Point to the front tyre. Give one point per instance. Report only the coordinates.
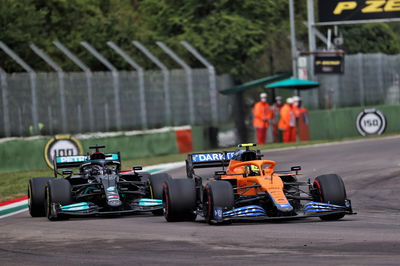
(156, 183)
(36, 196)
(179, 198)
(58, 191)
(330, 189)
(218, 196)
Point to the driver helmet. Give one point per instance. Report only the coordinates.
(252, 170)
(97, 156)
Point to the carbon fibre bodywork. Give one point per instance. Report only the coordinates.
(261, 193)
(95, 185)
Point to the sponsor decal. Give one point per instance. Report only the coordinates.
(218, 214)
(371, 122)
(113, 157)
(150, 202)
(209, 157)
(71, 159)
(328, 64)
(61, 146)
(346, 10)
(111, 189)
(285, 206)
(246, 211)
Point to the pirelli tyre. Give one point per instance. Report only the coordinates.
(330, 189)
(58, 191)
(217, 197)
(36, 196)
(156, 183)
(179, 198)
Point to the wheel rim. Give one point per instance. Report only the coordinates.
(209, 204)
(48, 203)
(319, 190)
(151, 189)
(29, 198)
(166, 202)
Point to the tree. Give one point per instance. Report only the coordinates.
(20, 23)
(375, 38)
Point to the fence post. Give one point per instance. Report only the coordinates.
(165, 71)
(50, 118)
(189, 78)
(380, 76)
(88, 74)
(4, 97)
(115, 75)
(32, 76)
(139, 69)
(361, 78)
(212, 80)
(60, 74)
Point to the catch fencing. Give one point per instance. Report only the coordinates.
(368, 79)
(35, 103)
(97, 110)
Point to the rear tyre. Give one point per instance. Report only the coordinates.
(36, 196)
(217, 194)
(57, 191)
(330, 189)
(179, 197)
(156, 183)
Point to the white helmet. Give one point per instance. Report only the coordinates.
(296, 99)
(289, 100)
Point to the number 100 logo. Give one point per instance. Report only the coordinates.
(59, 146)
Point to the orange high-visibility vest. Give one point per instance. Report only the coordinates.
(296, 111)
(262, 114)
(287, 118)
(303, 125)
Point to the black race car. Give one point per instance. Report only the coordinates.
(99, 187)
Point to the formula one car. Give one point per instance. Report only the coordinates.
(98, 188)
(248, 188)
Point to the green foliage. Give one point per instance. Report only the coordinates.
(17, 28)
(247, 39)
(371, 38)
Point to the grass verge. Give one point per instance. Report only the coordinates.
(14, 184)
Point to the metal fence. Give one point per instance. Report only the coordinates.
(52, 103)
(368, 79)
(98, 109)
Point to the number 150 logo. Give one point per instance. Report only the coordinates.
(371, 122)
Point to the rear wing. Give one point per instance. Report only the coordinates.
(207, 160)
(78, 160)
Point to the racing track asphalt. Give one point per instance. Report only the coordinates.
(371, 172)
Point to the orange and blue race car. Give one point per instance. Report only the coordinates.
(248, 188)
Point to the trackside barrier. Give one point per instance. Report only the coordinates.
(341, 123)
(27, 153)
(18, 154)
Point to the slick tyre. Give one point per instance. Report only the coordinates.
(36, 196)
(217, 194)
(179, 197)
(156, 183)
(57, 191)
(330, 189)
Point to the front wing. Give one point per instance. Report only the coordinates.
(257, 213)
(90, 209)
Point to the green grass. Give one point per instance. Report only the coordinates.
(14, 184)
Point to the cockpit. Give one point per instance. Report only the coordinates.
(245, 155)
